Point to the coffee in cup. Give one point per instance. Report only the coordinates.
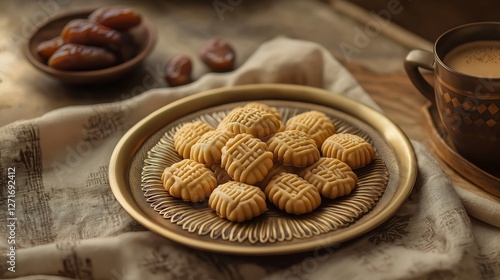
(466, 89)
(477, 58)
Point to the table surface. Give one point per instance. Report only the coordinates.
(184, 25)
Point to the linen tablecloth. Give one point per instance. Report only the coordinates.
(66, 223)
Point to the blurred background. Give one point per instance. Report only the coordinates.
(376, 34)
(429, 18)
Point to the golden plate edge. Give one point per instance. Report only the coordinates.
(136, 136)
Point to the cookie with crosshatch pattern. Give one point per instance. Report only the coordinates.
(253, 121)
(189, 180)
(238, 201)
(246, 159)
(264, 107)
(207, 149)
(292, 194)
(349, 148)
(293, 148)
(187, 135)
(316, 124)
(332, 177)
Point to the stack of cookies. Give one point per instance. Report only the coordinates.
(253, 157)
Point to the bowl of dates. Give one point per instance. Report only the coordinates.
(92, 46)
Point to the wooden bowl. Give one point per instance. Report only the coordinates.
(144, 35)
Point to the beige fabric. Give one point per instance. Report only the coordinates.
(479, 207)
(70, 226)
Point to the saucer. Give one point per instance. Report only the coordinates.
(443, 147)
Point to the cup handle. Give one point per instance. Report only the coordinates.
(420, 59)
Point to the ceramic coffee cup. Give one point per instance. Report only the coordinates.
(465, 91)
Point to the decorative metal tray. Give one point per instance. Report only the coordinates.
(143, 153)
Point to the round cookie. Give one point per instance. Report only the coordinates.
(258, 123)
(188, 135)
(238, 201)
(293, 148)
(189, 180)
(264, 107)
(349, 148)
(223, 123)
(207, 149)
(292, 194)
(246, 159)
(332, 177)
(316, 124)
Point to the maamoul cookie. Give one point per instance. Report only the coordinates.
(188, 135)
(349, 148)
(293, 147)
(246, 159)
(264, 107)
(208, 148)
(259, 123)
(292, 194)
(316, 124)
(189, 180)
(224, 121)
(220, 173)
(332, 177)
(238, 201)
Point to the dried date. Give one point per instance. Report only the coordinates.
(47, 48)
(116, 17)
(178, 70)
(86, 32)
(75, 57)
(218, 55)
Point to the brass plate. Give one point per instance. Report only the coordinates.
(274, 225)
(394, 150)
